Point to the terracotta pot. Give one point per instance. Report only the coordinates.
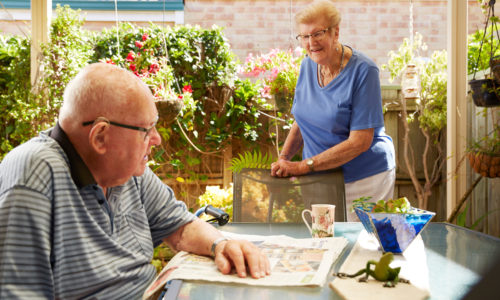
(485, 164)
(483, 92)
(168, 109)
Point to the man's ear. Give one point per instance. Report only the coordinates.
(98, 137)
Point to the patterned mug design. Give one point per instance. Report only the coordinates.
(323, 220)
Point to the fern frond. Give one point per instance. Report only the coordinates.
(251, 160)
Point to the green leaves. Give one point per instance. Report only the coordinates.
(399, 206)
(251, 160)
(431, 107)
(478, 57)
(31, 109)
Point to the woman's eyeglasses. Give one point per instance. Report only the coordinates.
(316, 36)
(103, 119)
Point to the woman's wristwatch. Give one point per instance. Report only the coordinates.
(310, 164)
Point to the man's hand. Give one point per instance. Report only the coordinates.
(240, 254)
(198, 237)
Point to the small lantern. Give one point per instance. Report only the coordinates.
(410, 83)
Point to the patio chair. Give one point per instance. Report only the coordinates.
(259, 197)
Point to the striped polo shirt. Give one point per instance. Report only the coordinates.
(61, 238)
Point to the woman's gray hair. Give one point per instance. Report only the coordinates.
(317, 10)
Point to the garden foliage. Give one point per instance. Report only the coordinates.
(181, 61)
(219, 107)
(29, 109)
(430, 111)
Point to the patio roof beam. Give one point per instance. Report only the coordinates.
(41, 14)
(456, 132)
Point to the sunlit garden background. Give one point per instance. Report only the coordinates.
(222, 112)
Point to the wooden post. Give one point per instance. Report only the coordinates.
(41, 14)
(456, 138)
(227, 175)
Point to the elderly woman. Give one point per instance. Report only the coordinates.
(338, 112)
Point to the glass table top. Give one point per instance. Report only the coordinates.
(456, 258)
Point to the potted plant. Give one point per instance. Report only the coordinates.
(484, 153)
(485, 91)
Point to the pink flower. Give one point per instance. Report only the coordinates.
(274, 52)
(323, 221)
(187, 89)
(139, 44)
(274, 73)
(265, 92)
(249, 58)
(130, 56)
(145, 37)
(298, 51)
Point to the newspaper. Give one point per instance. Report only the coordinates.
(294, 262)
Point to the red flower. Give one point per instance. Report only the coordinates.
(139, 44)
(187, 89)
(145, 37)
(109, 61)
(130, 56)
(153, 68)
(180, 96)
(131, 67)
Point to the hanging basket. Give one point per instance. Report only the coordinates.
(485, 164)
(168, 109)
(484, 92)
(282, 101)
(495, 67)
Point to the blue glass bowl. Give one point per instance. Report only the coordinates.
(395, 232)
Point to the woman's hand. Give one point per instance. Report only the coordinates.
(286, 168)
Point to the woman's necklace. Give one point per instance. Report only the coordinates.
(341, 67)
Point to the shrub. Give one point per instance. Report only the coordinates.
(31, 109)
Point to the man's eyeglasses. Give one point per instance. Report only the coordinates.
(316, 36)
(143, 129)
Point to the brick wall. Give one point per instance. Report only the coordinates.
(254, 26)
(373, 27)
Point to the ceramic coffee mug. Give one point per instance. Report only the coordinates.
(323, 219)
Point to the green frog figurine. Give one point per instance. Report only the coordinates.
(382, 272)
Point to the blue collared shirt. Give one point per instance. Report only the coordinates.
(60, 237)
(351, 101)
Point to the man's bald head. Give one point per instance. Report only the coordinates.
(101, 90)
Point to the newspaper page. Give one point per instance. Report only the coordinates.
(294, 262)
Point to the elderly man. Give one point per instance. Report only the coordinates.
(80, 213)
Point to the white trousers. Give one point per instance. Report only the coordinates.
(379, 186)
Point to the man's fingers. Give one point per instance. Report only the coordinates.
(253, 258)
(267, 264)
(223, 264)
(241, 254)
